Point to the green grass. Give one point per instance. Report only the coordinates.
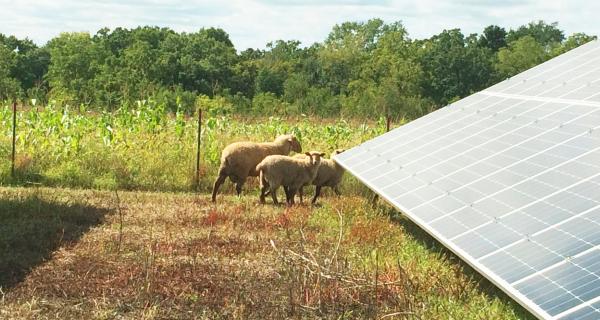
(165, 255)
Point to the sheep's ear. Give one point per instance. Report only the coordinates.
(307, 153)
(290, 140)
(322, 154)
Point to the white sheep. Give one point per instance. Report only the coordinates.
(329, 175)
(239, 159)
(292, 173)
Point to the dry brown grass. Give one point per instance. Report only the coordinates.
(178, 256)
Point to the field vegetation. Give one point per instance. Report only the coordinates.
(146, 148)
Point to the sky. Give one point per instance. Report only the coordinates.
(254, 23)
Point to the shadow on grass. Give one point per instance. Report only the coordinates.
(432, 244)
(32, 228)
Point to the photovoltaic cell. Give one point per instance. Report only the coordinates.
(509, 179)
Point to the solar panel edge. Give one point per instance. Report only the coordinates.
(484, 271)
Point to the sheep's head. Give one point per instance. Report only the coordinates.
(292, 141)
(315, 157)
(295, 144)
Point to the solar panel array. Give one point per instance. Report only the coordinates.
(509, 179)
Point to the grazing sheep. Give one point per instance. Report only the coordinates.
(239, 159)
(290, 172)
(329, 175)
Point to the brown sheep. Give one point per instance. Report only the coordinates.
(239, 159)
(329, 175)
(290, 172)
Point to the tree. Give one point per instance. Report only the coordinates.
(574, 41)
(245, 72)
(389, 79)
(271, 80)
(73, 66)
(207, 61)
(346, 49)
(138, 73)
(296, 87)
(547, 35)
(9, 86)
(493, 37)
(281, 60)
(362, 68)
(28, 64)
(519, 56)
(454, 66)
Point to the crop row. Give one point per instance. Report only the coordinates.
(145, 147)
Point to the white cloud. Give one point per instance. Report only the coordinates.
(253, 23)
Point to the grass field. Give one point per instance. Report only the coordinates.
(83, 254)
(71, 247)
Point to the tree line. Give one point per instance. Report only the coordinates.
(361, 69)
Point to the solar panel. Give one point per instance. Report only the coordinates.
(509, 179)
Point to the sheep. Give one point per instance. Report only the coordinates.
(329, 175)
(290, 172)
(239, 159)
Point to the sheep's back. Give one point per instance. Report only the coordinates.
(243, 157)
(283, 169)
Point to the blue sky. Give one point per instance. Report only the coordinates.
(253, 23)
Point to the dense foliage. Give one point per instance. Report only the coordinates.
(360, 69)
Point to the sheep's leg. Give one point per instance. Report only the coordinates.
(263, 186)
(300, 193)
(218, 182)
(269, 192)
(286, 189)
(288, 195)
(317, 193)
(292, 194)
(264, 190)
(238, 185)
(274, 195)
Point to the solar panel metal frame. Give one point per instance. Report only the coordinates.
(506, 286)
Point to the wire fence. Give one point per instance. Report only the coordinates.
(145, 147)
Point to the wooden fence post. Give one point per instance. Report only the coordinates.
(198, 147)
(388, 122)
(14, 139)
